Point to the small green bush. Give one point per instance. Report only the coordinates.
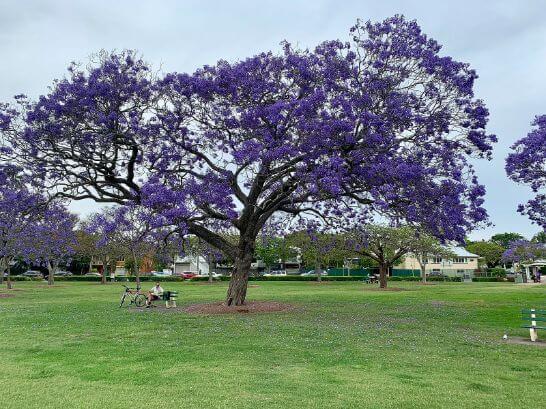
(497, 271)
(487, 279)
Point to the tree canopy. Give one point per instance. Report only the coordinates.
(527, 165)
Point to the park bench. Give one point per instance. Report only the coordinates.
(533, 316)
(170, 298)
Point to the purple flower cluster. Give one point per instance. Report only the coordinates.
(526, 164)
(521, 251)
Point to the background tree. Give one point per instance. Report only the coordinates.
(504, 239)
(527, 165)
(383, 244)
(540, 237)
(490, 252)
(524, 251)
(318, 250)
(382, 124)
(52, 239)
(425, 246)
(131, 229)
(20, 209)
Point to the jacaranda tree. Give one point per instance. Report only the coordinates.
(51, 240)
(381, 124)
(527, 164)
(133, 230)
(524, 251)
(20, 210)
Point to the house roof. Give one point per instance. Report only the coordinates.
(461, 251)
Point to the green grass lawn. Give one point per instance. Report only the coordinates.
(346, 346)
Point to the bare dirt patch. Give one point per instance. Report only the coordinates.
(3, 295)
(249, 308)
(526, 341)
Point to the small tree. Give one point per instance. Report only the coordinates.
(133, 230)
(540, 237)
(318, 249)
(52, 239)
(524, 251)
(504, 239)
(386, 245)
(491, 252)
(425, 246)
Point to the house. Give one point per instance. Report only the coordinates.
(195, 264)
(120, 270)
(462, 264)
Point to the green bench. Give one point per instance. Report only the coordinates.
(532, 317)
(170, 298)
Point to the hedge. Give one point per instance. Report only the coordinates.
(488, 279)
(118, 279)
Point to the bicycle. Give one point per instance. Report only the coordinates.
(136, 297)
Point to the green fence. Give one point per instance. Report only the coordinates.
(399, 272)
(355, 272)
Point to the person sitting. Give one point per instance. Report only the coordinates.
(154, 294)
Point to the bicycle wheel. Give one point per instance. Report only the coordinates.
(140, 300)
(122, 300)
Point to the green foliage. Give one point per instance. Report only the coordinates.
(504, 239)
(323, 249)
(272, 250)
(497, 271)
(490, 251)
(540, 237)
(487, 279)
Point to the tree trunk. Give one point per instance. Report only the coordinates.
(318, 269)
(383, 272)
(9, 284)
(136, 272)
(423, 273)
(103, 275)
(238, 283)
(51, 268)
(210, 268)
(2, 269)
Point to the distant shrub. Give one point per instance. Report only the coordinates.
(487, 279)
(497, 272)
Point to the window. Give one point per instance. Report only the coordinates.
(460, 271)
(459, 260)
(437, 260)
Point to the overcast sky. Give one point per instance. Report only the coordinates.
(505, 41)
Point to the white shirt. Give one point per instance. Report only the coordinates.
(157, 290)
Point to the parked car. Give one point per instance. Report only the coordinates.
(275, 273)
(33, 274)
(63, 273)
(186, 275)
(313, 273)
(93, 274)
(214, 274)
(161, 274)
